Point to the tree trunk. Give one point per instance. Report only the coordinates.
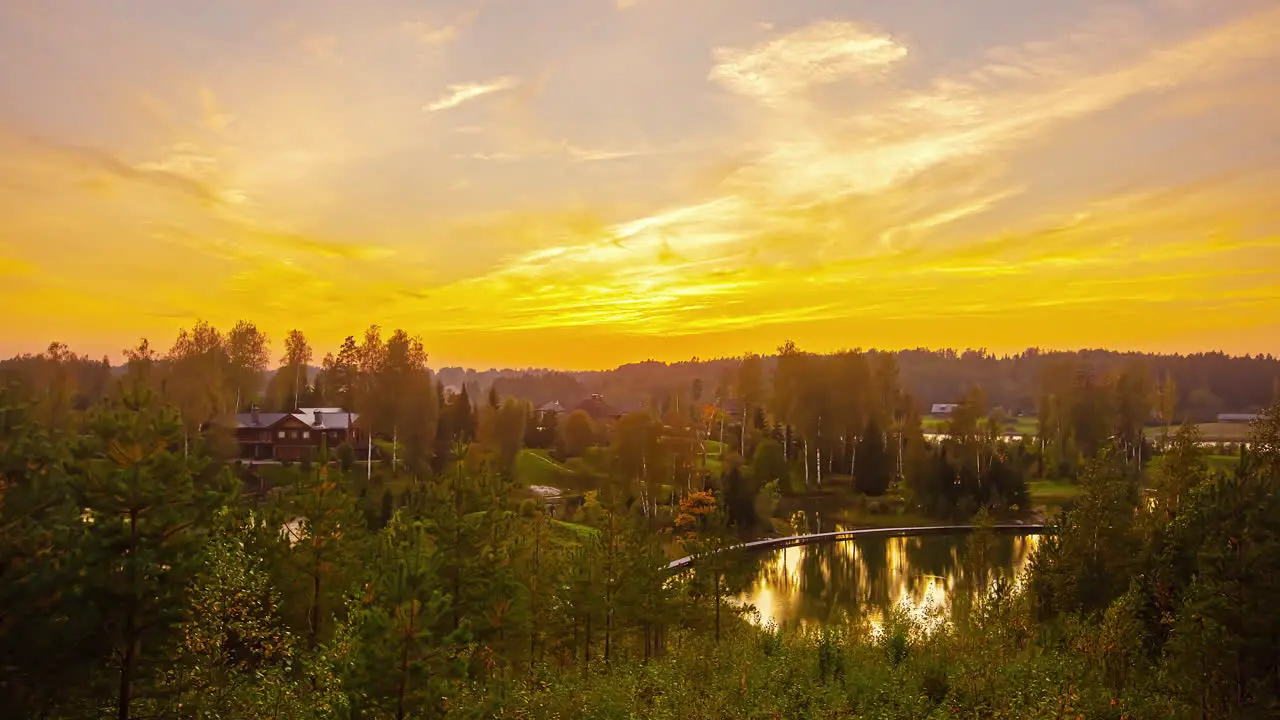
(130, 629)
(717, 608)
(126, 670)
(806, 463)
(533, 590)
(743, 451)
(586, 648)
(313, 618)
(404, 669)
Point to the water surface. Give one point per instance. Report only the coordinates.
(820, 583)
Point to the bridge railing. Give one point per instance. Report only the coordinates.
(841, 535)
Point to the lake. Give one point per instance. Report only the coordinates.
(820, 583)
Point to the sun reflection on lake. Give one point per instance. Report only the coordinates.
(816, 584)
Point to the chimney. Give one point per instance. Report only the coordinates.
(253, 414)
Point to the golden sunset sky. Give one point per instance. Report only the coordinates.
(581, 183)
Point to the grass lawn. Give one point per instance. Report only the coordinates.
(1210, 432)
(1022, 426)
(1051, 492)
(534, 467)
(1223, 463)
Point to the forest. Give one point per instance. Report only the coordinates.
(146, 572)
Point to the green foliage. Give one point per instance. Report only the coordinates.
(768, 464)
(874, 468)
(401, 661)
(346, 457)
(145, 506)
(135, 582)
(1088, 560)
(577, 433)
(48, 650)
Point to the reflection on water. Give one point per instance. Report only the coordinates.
(821, 583)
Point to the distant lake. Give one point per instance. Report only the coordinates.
(814, 584)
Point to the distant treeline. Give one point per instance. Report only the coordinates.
(1205, 384)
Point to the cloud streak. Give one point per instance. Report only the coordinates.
(467, 92)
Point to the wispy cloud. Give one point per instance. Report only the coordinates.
(158, 176)
(843, 196)
(429, 36)
(466, 92)
(782, 69)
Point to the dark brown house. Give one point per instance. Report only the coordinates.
(294, 436)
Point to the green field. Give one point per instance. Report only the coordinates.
(1021, 426)
(535, 467)
(1223, 463)
(1051, 492)
(1210, 432)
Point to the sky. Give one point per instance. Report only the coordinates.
(582, 183)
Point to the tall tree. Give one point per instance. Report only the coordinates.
(401, 657)
(247, 358)
(340, 374)
(293, 364)
(145, 509)
(750, 390)
(402, 383)
(197, 379)
(577, 433)
(323, 527)
(1167, 405)
(49, 645)
(875, 466)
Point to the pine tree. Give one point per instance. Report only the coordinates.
(324, 528)
(49, 650)
(875, 467)
(145, 513)
(234, 657)
(402, 661)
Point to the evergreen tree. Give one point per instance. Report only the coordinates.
(874, 466)
(464, 417)
(401, 660)
(324, 529)
(49, 647)
(145, 512)
(234, 657)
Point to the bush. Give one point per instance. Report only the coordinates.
(934, 683)
(346, 457)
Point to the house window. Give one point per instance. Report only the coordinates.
(333, 434)
(281, 435)
(306, 434)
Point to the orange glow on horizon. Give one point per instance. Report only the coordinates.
(838, 174)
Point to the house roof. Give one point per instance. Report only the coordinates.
(320, 418)
(551, 407)
(258, 420)
(632, 409)
(597, 408)
(328, 418)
